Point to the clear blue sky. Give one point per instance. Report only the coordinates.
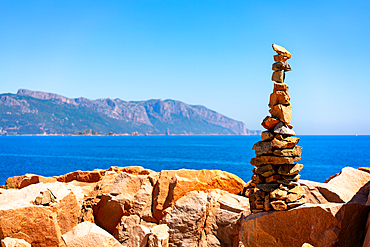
(214, 53)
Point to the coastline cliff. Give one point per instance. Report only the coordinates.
(32, 112)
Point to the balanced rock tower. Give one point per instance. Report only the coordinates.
(274, 184)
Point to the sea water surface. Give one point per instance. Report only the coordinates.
(322, 156)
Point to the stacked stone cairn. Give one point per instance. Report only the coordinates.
(274, 184)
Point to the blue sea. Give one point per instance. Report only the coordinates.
(322, 156)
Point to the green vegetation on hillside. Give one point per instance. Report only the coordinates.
(87, 132)
(23, 114)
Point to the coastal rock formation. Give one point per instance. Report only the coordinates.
(197, 208)
(129, 203)
(274, 184)
(335, 215)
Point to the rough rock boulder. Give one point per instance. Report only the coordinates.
(206, 219)
(314, 224)
(88, 234)
(82, 176)
(39, 225)
(123, 194)
(172, 185)
(19, 182)
(14, 242)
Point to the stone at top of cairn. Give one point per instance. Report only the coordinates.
(281, 51)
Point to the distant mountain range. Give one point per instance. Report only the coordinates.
(32, 112)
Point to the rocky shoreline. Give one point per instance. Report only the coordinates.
(133, 206)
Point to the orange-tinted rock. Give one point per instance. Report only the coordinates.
(263, 148)
(39, 225)
(159, 236)
(280, 58)
(44, 198)
(364, 169)
(269, 122)
(267, 136)
(206, 219)
(257, 179)
(36, 225)
(290, 169)
(273, 178)
(297, 190)
(296, 151)
(296, 203)
(187, 220)
(20, 182)
(86, 188)
(108, 213)
(281, 66)
(346, 186)
(282, 112)
(313, 193)
(273, 160)
(281, 50)
(14, 242)
(123, 194)
(315, 224)
(82, 176)
(265, 171)
(351, 179)
(367, 233)
(89, 234)
(292, 177)
(279, 205)
(259, 204)
(266, 204)
(172, 185)
(281, 87)
(281, 142)
(267, 149)
(267, 187)
(134, 170)
(117, 182)
(127, 184)
(353, 216)
(307, 245)
(68, 212)
(292, 197)
(279, 97)
(122, 230)
(278, 194)
(278, 76)
(138, 236)
(105, 185)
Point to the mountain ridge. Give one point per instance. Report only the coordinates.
(34, 112)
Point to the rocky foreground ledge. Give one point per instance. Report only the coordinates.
(133, 206)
